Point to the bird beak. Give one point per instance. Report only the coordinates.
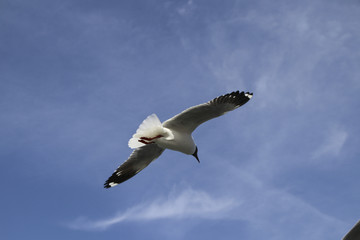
(196, 155)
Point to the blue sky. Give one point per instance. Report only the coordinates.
(78, 77)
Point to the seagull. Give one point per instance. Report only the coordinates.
(153, 137)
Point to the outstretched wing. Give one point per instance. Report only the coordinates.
(138, 160)
(191, 118)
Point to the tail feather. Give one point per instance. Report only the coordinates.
(150, 127)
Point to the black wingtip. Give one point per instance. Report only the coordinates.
(248, 95)
(241, 97)
(110, 184)
(237, 98)
(106, 185)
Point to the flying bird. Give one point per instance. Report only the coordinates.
(153, 137)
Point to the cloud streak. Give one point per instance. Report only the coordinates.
(332, 144)
(270, 211)
(187, 204)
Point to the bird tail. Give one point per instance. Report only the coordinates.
(150, 127)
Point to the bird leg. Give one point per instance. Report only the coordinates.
(146, 140)
(150, 139)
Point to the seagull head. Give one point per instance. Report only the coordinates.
(196, 155)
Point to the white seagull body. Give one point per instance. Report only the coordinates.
(153, 137)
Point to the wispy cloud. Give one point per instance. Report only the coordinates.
(187, 8)
(264, 207)
(187, 204)
(332, 144)
(273, 212)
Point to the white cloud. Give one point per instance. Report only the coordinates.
(188, 204)
(332, 144)
(187, 8)
(268, 210)
(273, 212)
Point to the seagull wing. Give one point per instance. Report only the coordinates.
(138, 160)
(191, 118)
